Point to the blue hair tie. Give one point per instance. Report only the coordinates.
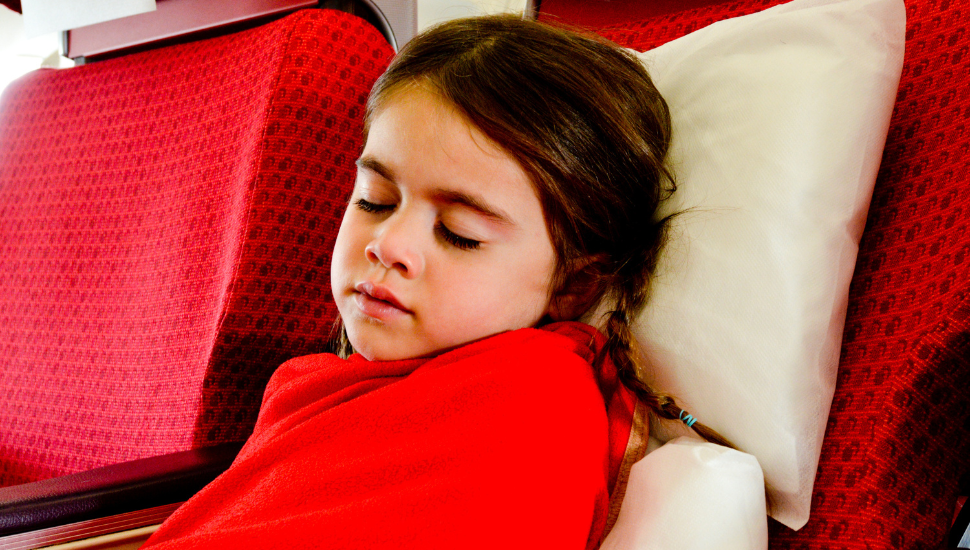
(688, 419)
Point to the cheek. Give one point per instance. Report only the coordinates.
(343, 251)
(536, 286)
(513, 291)
(533, 268)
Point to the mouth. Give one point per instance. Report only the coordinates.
(378, 302)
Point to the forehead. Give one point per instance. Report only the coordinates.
(422, 140)
(427, 106)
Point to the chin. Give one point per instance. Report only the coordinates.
(391, 351)
(382, 352)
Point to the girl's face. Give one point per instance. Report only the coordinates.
(444, 241)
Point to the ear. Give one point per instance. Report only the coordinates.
(584, 286)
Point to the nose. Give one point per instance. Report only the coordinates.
(396, 247)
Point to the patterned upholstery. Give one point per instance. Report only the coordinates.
(166, 220)
(898, 437)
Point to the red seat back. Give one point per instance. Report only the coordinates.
(898, 437)
(166, 221)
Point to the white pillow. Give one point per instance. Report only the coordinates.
(701, 496)
(779, 122)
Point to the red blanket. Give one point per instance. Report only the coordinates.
(503, 443)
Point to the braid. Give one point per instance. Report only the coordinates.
(620, 347)
(339, 344)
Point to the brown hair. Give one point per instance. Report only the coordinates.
(585, 121)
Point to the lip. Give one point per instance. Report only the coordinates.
(378, 302)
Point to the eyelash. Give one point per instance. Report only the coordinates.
(373, 208)
(459, 242)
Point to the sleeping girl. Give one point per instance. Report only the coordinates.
(508, 183)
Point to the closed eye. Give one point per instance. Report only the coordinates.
(449, 236)
(462, 243)
(372, 207)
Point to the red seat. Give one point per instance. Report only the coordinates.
(166, 221)
(898, 437)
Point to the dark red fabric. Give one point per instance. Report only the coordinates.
(166, 221)
(899, 432)
(502, 443)
(12, 4)
(601, 13)
(649, 33)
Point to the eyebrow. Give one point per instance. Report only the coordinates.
(446, 196)
(374, 165)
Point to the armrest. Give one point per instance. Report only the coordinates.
(960, 530)
(112, 490)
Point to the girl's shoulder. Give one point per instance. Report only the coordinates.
(587, 340)
(558, 354)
